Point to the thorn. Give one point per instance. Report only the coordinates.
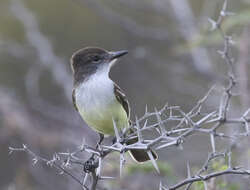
(116, 131)
(163, 130)
(56, 157)
(205, 185)
(106, 177)
(207, 94)
(231, 41)
(246, 126)
(160, 186)
(49, 163)
(122, 163)
(213, 24)
(85, 178)
(188, 170)
(158, 131)
(246, 113)
(11, 150)
(205, 118)
(224, 8)
(138, 130)
(221, 107)
(98, 170)
(212, 142)
(165, 106)
(229, 155)
(153, 161)
(145, 124)
(146, 109)
(166, 145)
(222, 54)
(34, 161)
(223, 14)
(171, 112)
(187, 120)
(24, 146)
(82, 144)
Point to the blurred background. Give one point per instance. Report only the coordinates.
(172, 58)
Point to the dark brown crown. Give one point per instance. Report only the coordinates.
(86, 61)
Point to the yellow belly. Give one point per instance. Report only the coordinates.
(101, 119)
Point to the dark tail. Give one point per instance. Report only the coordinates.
(140, 155)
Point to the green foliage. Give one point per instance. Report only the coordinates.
(219, 184)
(234, 186)
(198, 185)
(219, 166)
(224, 185)
(148, 167)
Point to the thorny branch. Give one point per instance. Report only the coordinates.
(173, 126)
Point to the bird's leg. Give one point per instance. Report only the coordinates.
(113, 140)
(90, 165)
(101, 137)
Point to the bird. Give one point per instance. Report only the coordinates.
(97, 98)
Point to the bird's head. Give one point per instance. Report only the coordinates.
(91, 59)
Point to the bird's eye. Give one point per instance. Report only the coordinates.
(96, 58)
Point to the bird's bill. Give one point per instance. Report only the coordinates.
(117, 54)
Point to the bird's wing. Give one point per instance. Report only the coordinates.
(74, 99)
(121, 98)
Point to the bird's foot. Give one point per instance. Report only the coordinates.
(101, 138)
(90, 165)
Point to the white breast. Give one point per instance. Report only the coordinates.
(95, 93)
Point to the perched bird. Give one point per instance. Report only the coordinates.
(97, 98)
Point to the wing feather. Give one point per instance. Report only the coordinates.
(74, 99)
(121, 98)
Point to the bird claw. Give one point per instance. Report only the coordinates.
(90, 165)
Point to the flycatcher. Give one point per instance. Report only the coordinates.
(97, 98)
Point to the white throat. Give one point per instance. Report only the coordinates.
(97, 91)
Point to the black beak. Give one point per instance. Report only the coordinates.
(117, 54)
